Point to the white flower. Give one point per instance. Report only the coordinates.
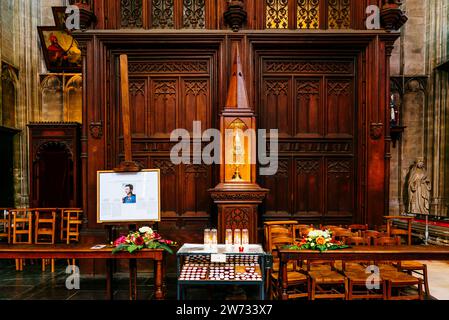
(312, 244)
(146, 230)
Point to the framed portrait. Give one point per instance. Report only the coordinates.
(128, 197)
(60, 49)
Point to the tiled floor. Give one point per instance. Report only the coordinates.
(33, 284)
(438, 273)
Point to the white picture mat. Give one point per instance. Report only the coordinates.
(111, 191)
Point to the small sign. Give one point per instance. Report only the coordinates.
(218, 258)
(98, 247)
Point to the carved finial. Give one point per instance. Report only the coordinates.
(236, 15)
(392, 17)
(237, 94)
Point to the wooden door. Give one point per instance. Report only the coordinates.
(312, 104)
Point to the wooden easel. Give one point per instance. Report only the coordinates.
(126, 166)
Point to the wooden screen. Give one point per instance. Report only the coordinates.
(312, 103)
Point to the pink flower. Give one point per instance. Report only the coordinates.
(156, 236)
(120, 241)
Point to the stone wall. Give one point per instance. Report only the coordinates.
(423, 91)
(20, 48)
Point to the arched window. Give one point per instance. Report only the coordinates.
(74, 99)
(52, 107)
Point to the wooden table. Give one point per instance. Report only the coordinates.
(395, 253)
(80, 251)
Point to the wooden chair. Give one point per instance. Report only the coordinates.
(384, 242)
(358, 289)
(356, 265)
(371, 235)
(358, 227)
(63, 222)
(45, 230)
(273, 227)
(341, 235)
(296, 283)
(73, 225)
(45, 226)
(416, 267)
(396, 279)
(327, 284)
(391, 231)
(5, 225)
(22, 225)
(301, 230)
(276, 233)
(355, 272)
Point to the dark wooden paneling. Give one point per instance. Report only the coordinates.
(312, 105)
(316, 124)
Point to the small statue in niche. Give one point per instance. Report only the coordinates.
(419, 188)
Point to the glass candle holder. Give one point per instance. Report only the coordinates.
(237, 237)
(207, 237)
(214, 237)
(228, 237)
(245, 237)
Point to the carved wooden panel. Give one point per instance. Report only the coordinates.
(197, 179)
(194, 14)
(339, 14)
(308, 108)
(308, 66)
(131, 13)
(276, 111)
(163, 14)
(308, 14)
(278, 199)
(308, 187)
(311, 102)
(166, 66)
(340, 187)
(139, 105)
(340, 107)
(276, 14)
(195, 104)
(169, 185)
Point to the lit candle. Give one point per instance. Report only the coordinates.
(237, 237)
(228, 237)
(245, 237)
(214, 238)
(207, 237)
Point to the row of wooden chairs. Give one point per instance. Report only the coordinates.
(324, 279)
(17, 225)
(17, 228)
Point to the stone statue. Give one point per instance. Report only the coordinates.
(419, 189)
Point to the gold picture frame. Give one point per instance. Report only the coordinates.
(128, 197)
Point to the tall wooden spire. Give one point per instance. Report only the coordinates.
(237, 94)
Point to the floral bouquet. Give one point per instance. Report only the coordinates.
(318, 240)
(145, 238)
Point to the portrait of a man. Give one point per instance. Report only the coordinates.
(130, 196)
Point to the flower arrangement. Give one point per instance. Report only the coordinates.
(144, 238)
(318, 240)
